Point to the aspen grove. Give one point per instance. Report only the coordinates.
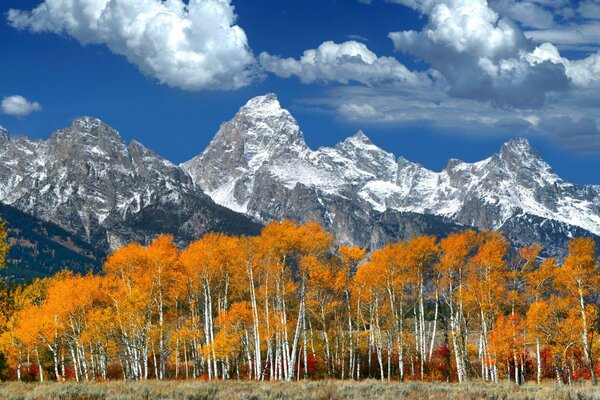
(289, 304)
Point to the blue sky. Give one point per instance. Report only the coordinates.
(426, 79)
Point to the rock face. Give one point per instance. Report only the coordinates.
(259, 164)
(86, 180)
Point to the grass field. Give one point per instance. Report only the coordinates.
(371, 390)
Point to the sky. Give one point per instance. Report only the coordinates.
(428, 80)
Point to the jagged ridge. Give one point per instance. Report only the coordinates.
(259, 164)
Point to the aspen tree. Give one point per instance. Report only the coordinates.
(486, 289)
(538, 280)
(350, 257)
(580, 277)
(457, 249)
(420, 254)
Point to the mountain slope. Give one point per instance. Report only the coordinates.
(259, 164)
(40, 248)
(86, 180)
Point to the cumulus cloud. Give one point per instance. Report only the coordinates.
(488, 76)
(582, 73)
(482, 55)
(19, 106)
(346, 62)
(192, 46)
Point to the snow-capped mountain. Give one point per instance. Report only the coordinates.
(86, 180)
(259, 164)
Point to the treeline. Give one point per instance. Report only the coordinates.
(289, 305)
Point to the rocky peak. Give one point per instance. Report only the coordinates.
(519, 152)
(518, 145)
(359, 143)
(359, 138)
(88, 138)
(259, 164)
(262, 122)
(518, 158)
(87, 130)
(264, 104)
(365, 158)
(259, 132)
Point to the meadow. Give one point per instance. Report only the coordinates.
(315, 390)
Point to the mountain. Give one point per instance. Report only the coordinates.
(259, 164)
(87, 181)
(83, 192)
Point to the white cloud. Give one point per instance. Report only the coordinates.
(583, 73)
(482, 55)
(525, 12)
(342, 63)
(480, 59)
(360, 112)
(194, 47)
(19, 106)
(582, 36)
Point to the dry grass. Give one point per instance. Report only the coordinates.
(320, 390)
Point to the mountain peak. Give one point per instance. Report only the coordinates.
(518, 146)
(88, 129)
(263, 123)
(520, 152)
(267, 102)
(360, 137)
(259, 132)
(357, 141)
(86, 122)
